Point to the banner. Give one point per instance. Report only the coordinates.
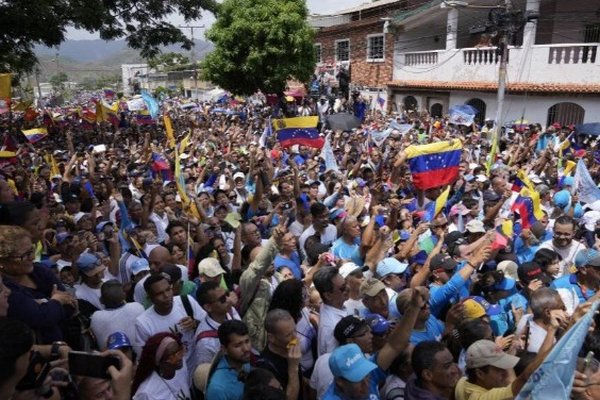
(584, 185)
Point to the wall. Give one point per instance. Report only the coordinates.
(364, 73)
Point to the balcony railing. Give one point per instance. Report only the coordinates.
(576, 63)
(576, 54)
(421, 58)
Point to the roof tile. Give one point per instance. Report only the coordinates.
(492, 87)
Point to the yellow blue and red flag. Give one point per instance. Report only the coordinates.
(435, 164)
(527, 204)
(435, 207)
(35, 135)
(298, 130)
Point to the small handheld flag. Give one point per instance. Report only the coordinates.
(35, 135)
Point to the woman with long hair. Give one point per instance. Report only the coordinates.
(161, 373)
(292, 295)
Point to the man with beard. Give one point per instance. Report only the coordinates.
(224, 383)
(563, 243)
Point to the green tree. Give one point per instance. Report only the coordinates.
(168, 61)
(26, 24)
(58, 81)
(259, 44)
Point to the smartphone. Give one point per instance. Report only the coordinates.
(36, 373)
(91, 364)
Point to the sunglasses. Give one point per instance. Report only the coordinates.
(223, 298)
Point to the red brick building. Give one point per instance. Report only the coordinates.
(362, 40)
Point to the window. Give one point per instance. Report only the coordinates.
(375, 47)
(437, 110)
(480, 106)
(318, 53)
(565, 114)
(342, 50)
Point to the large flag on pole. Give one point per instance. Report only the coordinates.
(151, 104)
(553, 380)
(169, 131)
(328, 156)
(435, 164)
(298, 130)
(188, 204)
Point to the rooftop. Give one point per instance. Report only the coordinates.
(492, 87)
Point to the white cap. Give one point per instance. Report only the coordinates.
(239, 175)
(481, 178)
(348, 268)
(475, 226)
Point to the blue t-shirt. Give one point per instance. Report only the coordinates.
(293, 263)
(377, 376)
(224, 383)
(434, 329)
(570, 282)
(345, 251)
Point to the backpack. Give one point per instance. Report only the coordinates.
(76, 330)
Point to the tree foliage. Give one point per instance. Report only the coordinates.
(260, 44)
(27, 23)
(58, 81)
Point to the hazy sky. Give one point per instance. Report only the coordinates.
(314, 6)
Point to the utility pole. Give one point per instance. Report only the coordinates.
(191, 28)
(503, 46)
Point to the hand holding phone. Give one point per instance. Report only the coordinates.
(94, 365)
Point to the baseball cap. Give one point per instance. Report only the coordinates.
(101, 225)
(530, 271)
(210, 267)
(49, 263)
(379, 325)
(485, 352)
(348, 268)
(442, 261)
(347, 327)
(490, 196)
(481, 178)
(89, 264)
(371, 287)
(62, 237)
(587, 257)
(568, 181)
(475, 226)
(239, 175)
(561, 199)
(139, 265)
(509, 268)
(117, 340)
(505, 284)
(477, 307)
(71, 198)
(390, 265)
(349, 362)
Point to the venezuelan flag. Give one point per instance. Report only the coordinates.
(527, 204)
(144, 118)
(298, 130)
(521, 181)
(433, 165)
(35, 135)
(435, 207)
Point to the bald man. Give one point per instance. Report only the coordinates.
(158, 257)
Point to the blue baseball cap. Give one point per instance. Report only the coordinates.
(117, 340)
(390, 266)
(379, 325)
(568, 181)
(561, 199)
(101, 225)
(349, 362)
(139, 265)
(587, 257)
(89, 264)
(62, 237)
(505, 284)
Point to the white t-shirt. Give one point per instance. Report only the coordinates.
(535, 333)
(139, 293)
(106, 322)
(393, 389)
(84, 292)
(354, 307)
(329, 236)
(150, 323)
(321, 376)
(296, 229)
(157, 388)
(568, 254)
(306, 333)
(125, 262)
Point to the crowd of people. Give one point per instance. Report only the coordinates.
(233, 268)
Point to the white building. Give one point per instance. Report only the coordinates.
(131, 75)
(553, 69)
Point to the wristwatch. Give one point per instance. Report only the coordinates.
(54, 355)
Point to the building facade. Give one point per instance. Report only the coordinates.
(358, 40)
(553, 72)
